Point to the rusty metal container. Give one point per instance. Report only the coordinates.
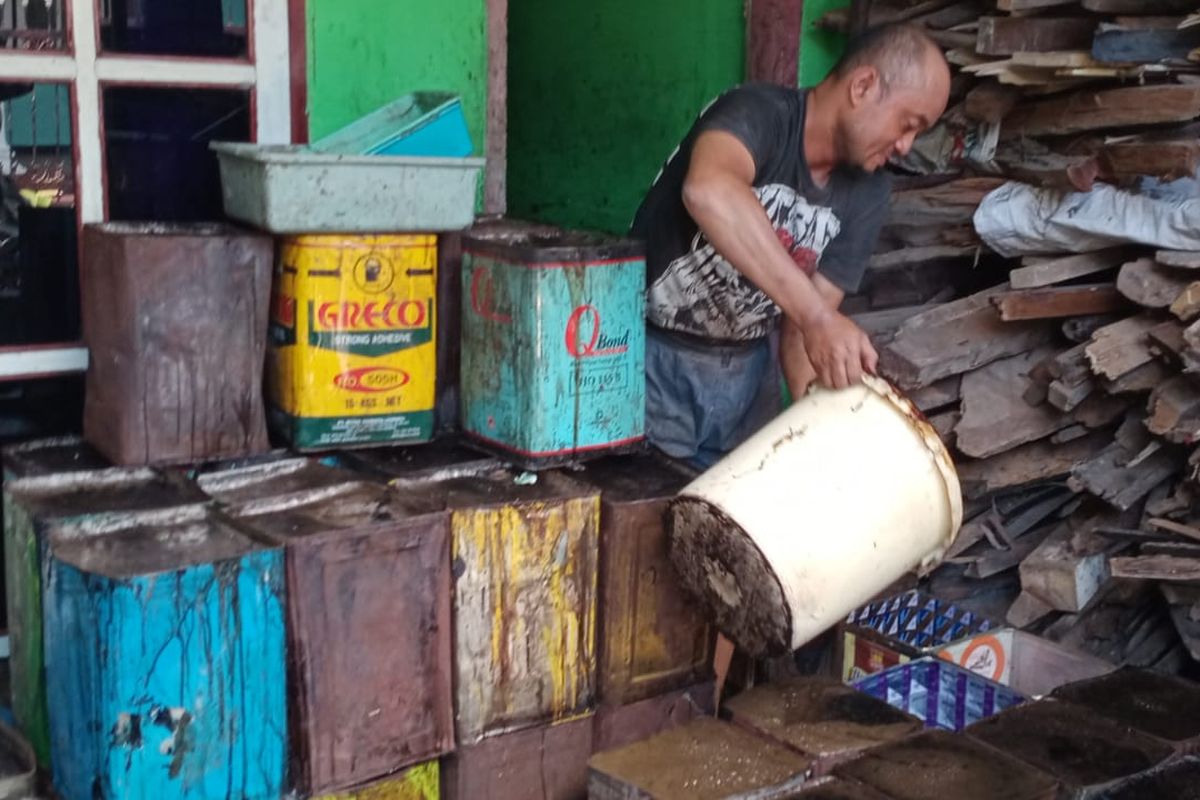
(1178, 780)
(546, 762)
(368, 628)
(165, 648)
(1162, 706)
(439, 459)
(652, 636)
(236, 484)
(175, 317)
(618, 726)
(947, 766)
(825, 720)
(524, 552)
(553, 344)
(1086, 753)
(839, 789)
(705, 760)
(87, 497)
(422, 782)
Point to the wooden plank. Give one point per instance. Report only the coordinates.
(1109, 108)
(1182, 259)
(1157, 568)
(995, 416)
(1055, 59)
(1030, 463)
(1179, 528)
(1150, 23)
(1014, 6)
(1080, 329)
(1140, 380)
(1065, 573)
(1107, 477)
(1167, 337)
(947, 203)
(1175, 411)
(908, 256)
(956, 338)
(1186, 305)
(1058, 302)
(937, 396)
(1146, 7)
(1049, 170)
(1003, 36)
(1101, 410)
(991, 101)
(1067, 398)
(1144, 46)
(1071, 366)
(1149, 284)
(1027, 610)
(1166, 160)
(1121, 347)
(1058, 270)
(945, 424)
(1039, 383)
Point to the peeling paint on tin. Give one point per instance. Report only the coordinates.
(422, 782)
(525, 612)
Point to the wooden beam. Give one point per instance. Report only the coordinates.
(1057, 302)
(1067, 398)
(1149, 284)
(995, 416)
(991, 101)
(1166, 160)
(1157, 568)
(1027, 464)
(1016, 6)
(937, 396)
(1143, 7)
(1187, 305)
(956, 338)
(1175, 411)
(774, 29)
(1059, 270)
(1062, 574)
(1110, 108)
(1003, 36)
(1138, 381)
(1121, 347)
(1122, 483)
(909, 256)
(1181, 259)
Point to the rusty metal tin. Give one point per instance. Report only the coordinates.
(618, 726)
(51, 457)
(439, 459)
(369, 631)
(839, 789)
(97, 498)
(704, 760)
(243, 483)
(825, 720)
(1177, 780)
(546, 762)
(652, 636)
(524, 557)
(1085, 752)
(1162, 706)
(940, 764)
(175, 317)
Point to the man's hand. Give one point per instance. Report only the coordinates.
(839, 350)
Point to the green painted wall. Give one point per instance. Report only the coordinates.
(819, 49)
(365, 53)
(600, 94)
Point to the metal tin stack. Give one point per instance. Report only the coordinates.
(175, 319)
(165, 652)
(92, 499)
(553, 345)
(368, 620)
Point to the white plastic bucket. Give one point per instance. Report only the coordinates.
(820, 511)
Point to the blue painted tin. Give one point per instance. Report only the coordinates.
(553, 345)
(940, 694)
(165, 654)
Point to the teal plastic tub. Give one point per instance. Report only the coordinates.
(428, 124)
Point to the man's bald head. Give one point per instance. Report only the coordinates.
(892, 83)
(903, 54)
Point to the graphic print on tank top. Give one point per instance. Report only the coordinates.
(702, 294)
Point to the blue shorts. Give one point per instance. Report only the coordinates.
(704, 399)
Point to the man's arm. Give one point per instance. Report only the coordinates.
(798, 370)
(718, 193)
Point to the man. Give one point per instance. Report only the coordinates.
(768, 210)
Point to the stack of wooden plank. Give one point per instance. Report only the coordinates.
(1066, 382)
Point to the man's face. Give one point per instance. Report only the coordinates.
(879, 124)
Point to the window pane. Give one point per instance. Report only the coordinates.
(33, 24)
(39, 288)
(156, 148)
(215, 28)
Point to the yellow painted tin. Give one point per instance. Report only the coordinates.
(353, 340)
(422, 782)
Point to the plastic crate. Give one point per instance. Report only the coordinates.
(421, 124)
(291, 189)
(939, 693)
